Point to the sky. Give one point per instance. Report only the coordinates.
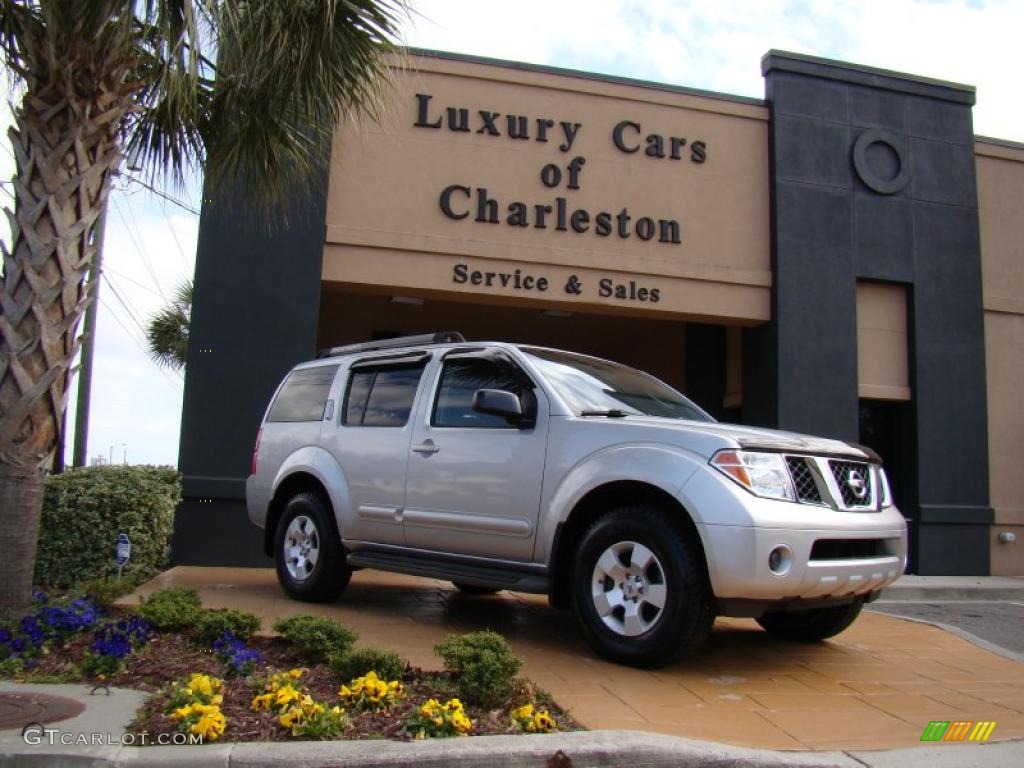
(717, 46)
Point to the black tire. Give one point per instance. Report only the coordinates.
(473, 589)
(653, 636)
(323, 580)
(814, 625)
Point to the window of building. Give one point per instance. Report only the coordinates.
(460, 380)
(304, 394)
(381, 396)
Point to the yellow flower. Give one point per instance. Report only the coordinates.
(345, 692)
(336, 710)
(294, 674)
(285, 696)
(181, 712)
(290, 718)
(523, 712)
(211, 725)
(543, 722)
(428, 709)
(204, 685)
(262, 702)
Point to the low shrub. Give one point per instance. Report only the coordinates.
(85, 509)
(319, 637)
(212, 623)
(174, 609)
(104, 591)
(359, 661)
(483, 663)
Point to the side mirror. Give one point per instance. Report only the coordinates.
(499, 402)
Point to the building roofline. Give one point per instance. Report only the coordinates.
(859, 74)
(999, 142)
(545, 69)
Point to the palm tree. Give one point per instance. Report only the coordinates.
(167, 332)
(249, 91)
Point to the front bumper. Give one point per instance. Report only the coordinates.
(830, 555)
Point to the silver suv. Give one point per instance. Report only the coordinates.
(504, 466)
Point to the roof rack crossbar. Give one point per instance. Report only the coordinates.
(442, 337)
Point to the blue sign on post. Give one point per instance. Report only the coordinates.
(124, 551)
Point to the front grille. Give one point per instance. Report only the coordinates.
(854, 481)
(803, 479)
(848, 549)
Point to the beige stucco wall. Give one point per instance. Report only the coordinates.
(386, 228)
(882, 368)
(1000, 171)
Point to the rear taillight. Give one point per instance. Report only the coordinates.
(256, 452)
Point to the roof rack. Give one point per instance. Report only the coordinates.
(442, 337)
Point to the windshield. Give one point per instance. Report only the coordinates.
(594, 387)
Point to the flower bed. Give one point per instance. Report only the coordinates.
(266, 688)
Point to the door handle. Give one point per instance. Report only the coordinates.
(426, 448)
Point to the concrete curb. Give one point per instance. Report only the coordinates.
(585, 749)
(923, 589)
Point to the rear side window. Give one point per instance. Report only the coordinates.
(303, 395)
(381, 396)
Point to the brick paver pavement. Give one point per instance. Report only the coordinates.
(876, 686)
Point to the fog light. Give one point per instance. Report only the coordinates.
(779, 560)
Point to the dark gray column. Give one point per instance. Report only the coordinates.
(873, 179)
(255, 310)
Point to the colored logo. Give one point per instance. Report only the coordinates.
(958, 730)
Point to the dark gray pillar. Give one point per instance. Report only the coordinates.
(255, 314)
(873, 179)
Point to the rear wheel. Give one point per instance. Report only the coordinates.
(813, 625)
(310, 560)
(473, 589)
(640, 591)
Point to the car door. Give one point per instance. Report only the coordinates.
(474, 480)
(370, 441)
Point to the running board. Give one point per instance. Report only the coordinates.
(448, 570)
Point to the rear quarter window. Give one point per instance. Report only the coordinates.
(303, 395)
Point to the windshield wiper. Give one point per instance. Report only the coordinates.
(611, 413)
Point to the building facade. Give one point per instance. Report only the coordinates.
(844, 258)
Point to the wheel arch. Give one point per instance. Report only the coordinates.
(293, 484)
(597, 502)
(308, 469)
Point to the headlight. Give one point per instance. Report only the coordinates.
(763, 474)
(884, 492)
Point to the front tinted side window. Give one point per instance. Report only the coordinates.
(381, 396)
(303, 395)
(460, 380)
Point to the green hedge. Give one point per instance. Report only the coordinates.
(85, 509)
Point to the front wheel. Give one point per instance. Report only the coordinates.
(640, 590)
(310, 561)
(811, 626)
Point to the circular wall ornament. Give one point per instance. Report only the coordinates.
(879, 161)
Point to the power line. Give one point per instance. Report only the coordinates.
(139, 247)
(136, 283)
(110, 310)
(164, 195)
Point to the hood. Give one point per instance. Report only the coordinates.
(754, 438)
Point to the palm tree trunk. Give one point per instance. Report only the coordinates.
(66, 151)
